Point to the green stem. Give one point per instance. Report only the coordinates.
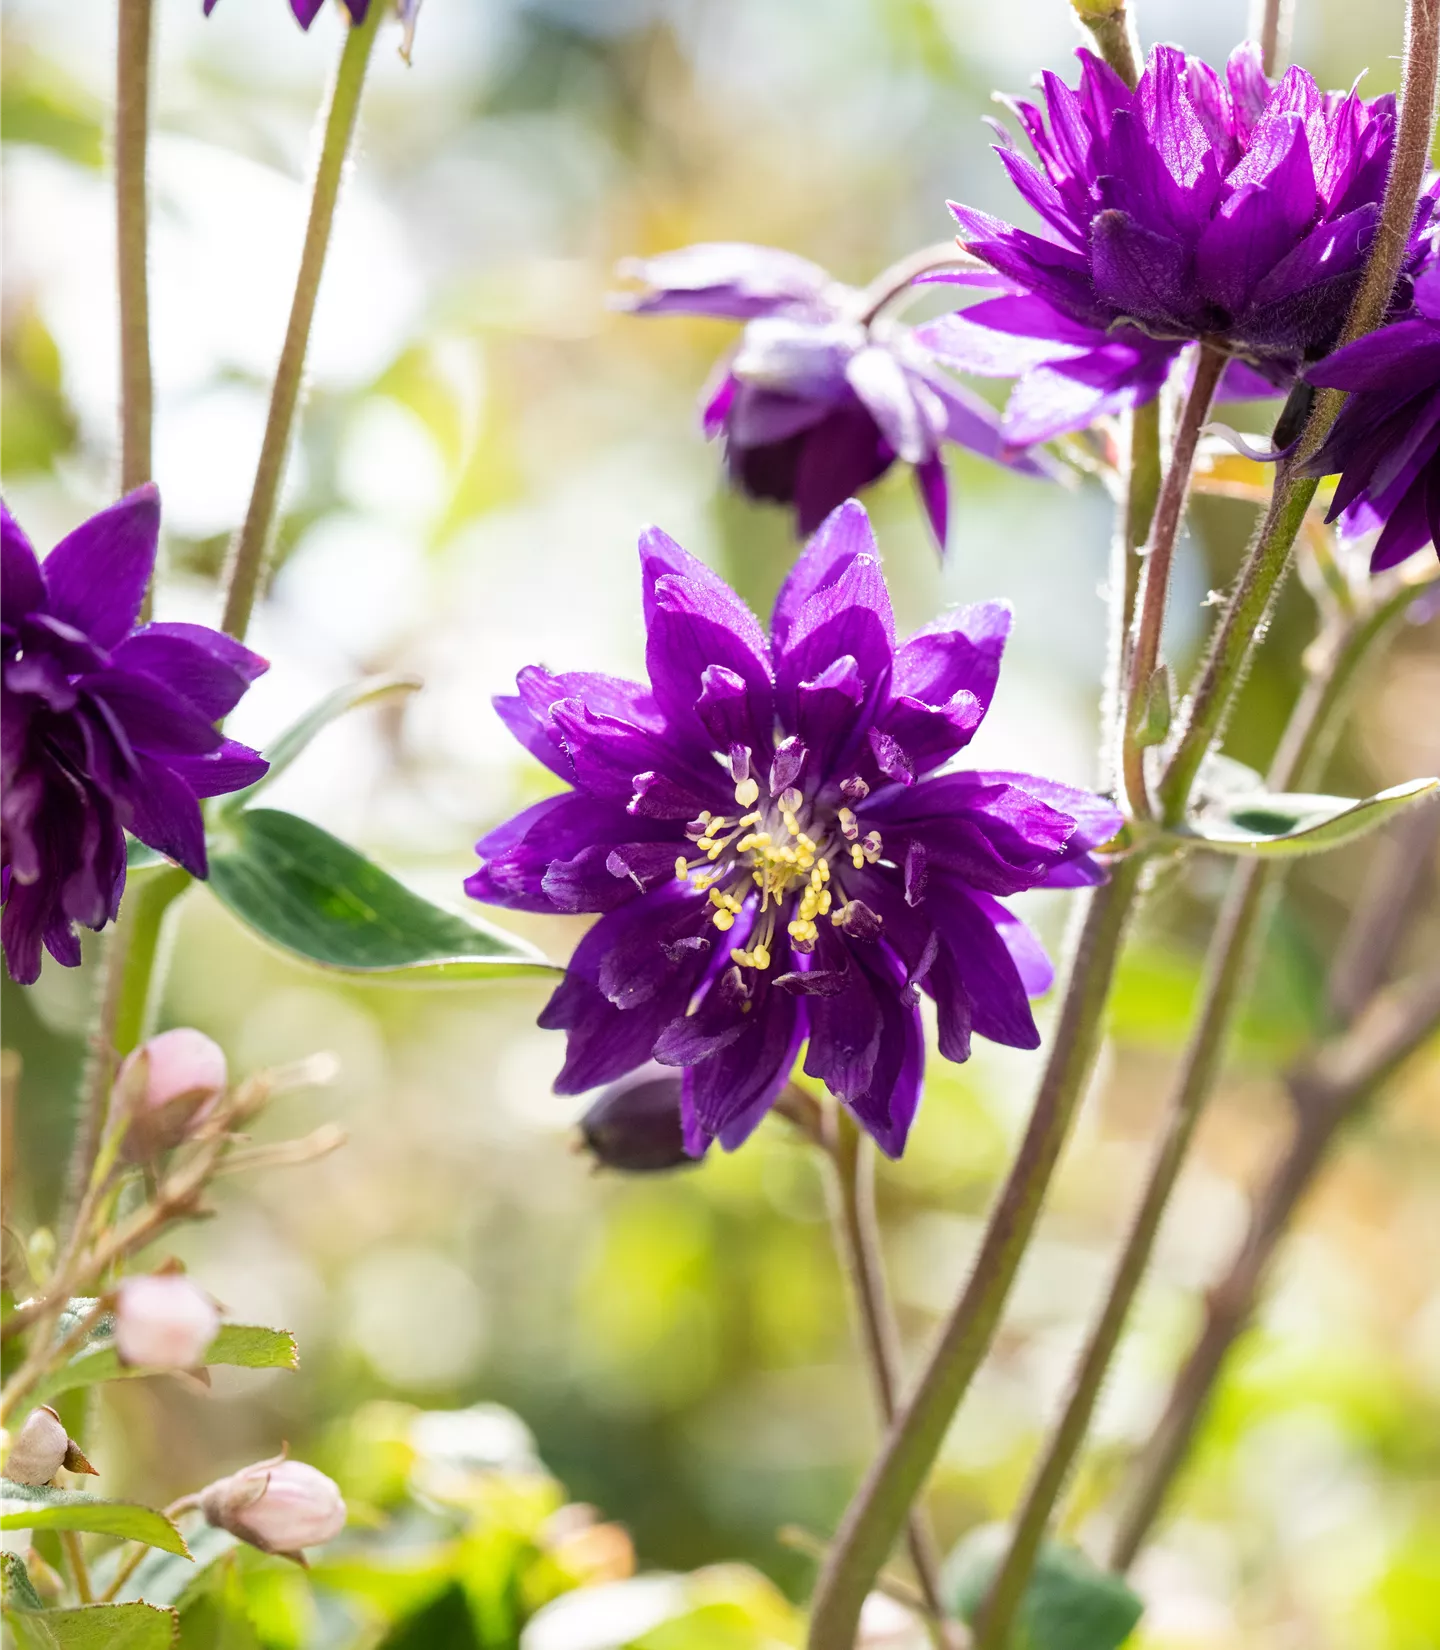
(1400, 1021)
(1234, 951)
(857, 1243)
(132, 128)
(248, 561)
(880, 1508)
(1132, 528)
(1155, 580)
(1110, 27)
(1269, 557)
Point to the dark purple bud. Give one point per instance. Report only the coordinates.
(634, 1126)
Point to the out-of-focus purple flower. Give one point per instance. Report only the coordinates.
(1198, 206)
(821, 395)
(306, 11)
(1386, 442)
(778, 848)
(634, 1124)
(106, 728)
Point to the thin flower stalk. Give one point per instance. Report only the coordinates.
(1269, 557)
(132, 128)
(1274, 25)
(1234, 953)
(1139, 489)
(1154, 592)
(857, 1242)
(249, 559)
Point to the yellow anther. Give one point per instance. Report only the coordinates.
(747, 793)
(822, 905)
(857, 857)
(760, 958)
(848, 827)
(749, 819)
(741, 957)
(713, 851)
(723, 920)
(790, 801)
(682, 869)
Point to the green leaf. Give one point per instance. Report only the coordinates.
(298, 736)
(17, 1591)
(245, 1345)
(169, 1578)
(308, 893)
(96, 1627)
(1070, 1603)
(1285, 825)
(138, 857)
(38, 1507)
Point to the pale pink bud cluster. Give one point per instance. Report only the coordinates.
(278, 1506)
(169, 1085)
(163, 1322)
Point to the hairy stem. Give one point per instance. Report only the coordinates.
(1272, 24)
(1114, 35)
(1155, 579)
(897, 280)
(1233, 954)
(132, 131)
(857, 1243)
(248, 560)
(1269, 557)
(881, 1506)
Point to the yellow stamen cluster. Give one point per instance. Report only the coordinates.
(777, 860)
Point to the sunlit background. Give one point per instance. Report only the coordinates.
(482, 441)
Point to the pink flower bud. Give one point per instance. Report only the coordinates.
(163, 1323)
(278, 1506)
(39, 1450)
(169, 1084)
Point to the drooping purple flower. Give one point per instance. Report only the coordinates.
(1385, 445)
(777, 848)
(306, 11)
(106, 728)
(1198, 206)
(822, 395)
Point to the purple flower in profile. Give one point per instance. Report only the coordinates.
(306, 11)
(1386, 442)
(1198, 206)
(777, 847)
(822, 395)
(106, 728)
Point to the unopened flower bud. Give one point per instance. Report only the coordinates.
(278, 1506)
(635, 1124)
(163, 1323)
(39, 1450)
(168, 1085)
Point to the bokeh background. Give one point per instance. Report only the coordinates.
(483, 439)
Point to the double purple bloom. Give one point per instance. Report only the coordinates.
(776, 847)
(1198, 206)
(822, 395)
(1386, 442)
(106, 728)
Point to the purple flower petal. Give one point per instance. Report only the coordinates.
(209, 669)
(729, 279)
(96, 576)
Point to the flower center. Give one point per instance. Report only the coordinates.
(780, 848)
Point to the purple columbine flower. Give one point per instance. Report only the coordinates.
(822, 394)
(106, 728)
(777, 848)
(1197, 206)
(1386, 442)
